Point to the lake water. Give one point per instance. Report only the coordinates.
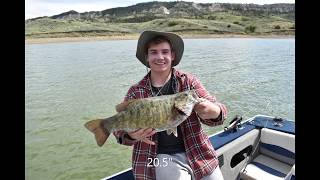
(68, 84)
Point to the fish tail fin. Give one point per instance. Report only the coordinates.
(101, 134)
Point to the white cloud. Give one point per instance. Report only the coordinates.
(37, 8)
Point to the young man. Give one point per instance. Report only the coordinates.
(159, 156)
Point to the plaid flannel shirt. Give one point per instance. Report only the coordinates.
(199, 150)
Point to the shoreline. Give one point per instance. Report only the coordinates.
(136, 36)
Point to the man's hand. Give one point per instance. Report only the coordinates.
(142, 134)
(206, 109)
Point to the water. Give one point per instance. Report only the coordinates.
(68, 84)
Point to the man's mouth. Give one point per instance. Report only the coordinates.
(160, 63)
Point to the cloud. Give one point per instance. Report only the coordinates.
(37, 8)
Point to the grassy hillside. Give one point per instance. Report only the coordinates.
(216, 23)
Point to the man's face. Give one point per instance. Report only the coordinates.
(160, 57)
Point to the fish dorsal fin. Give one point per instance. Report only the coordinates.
(173, 130)
(130, 101)
(124, 105)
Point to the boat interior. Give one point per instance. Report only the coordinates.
(261, 148)
(267, 151)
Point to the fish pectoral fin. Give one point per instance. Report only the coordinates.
(173, 130)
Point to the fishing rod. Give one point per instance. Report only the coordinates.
(235, 123)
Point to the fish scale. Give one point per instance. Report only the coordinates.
(161, 113)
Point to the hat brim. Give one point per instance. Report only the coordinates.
(146, 36)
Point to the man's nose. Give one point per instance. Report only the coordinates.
(160, 56)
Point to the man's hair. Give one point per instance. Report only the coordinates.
(158, 40)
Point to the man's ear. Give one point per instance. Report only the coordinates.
(173, 55)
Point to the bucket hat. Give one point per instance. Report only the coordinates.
(176, 43)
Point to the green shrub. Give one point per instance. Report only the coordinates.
(172, 23)
(199, 17)
(292, 27)
(212, 17)
(236, 22)
(250, 29)
(228, 25)
(245, 19)
(277, 27)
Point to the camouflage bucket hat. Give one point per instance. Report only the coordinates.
(146, 36)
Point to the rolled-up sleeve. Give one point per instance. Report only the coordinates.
(220, 119)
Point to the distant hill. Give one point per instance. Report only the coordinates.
(181, 17)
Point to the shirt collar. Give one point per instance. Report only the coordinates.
(146, 81)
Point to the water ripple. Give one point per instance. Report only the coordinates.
(68, 84)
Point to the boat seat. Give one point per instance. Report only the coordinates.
(291, 175)
(276, 157)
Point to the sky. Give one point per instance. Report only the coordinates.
(37, 8)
